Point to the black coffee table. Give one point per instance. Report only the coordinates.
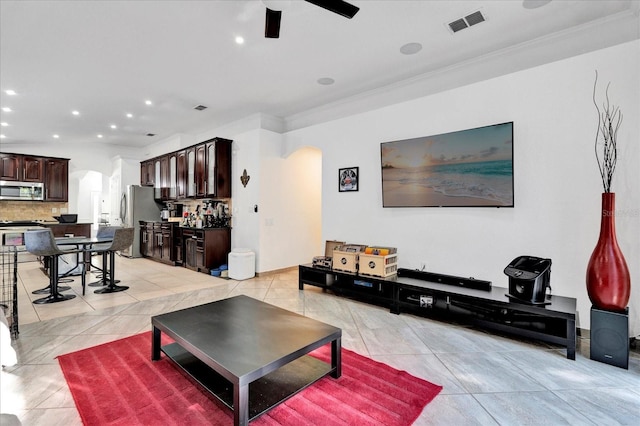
(249, 354)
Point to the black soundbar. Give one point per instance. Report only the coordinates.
(445, 279)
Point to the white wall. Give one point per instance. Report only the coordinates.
(286, 229)
(557, 183)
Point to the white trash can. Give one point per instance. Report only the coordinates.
(242, 264)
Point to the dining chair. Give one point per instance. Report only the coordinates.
(122, 238)
(42, 243)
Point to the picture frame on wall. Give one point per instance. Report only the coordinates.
(348, 179)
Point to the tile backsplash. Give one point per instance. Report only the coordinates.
(31, 210)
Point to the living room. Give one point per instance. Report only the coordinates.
(292, 204)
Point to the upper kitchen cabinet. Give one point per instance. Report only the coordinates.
(173, 176)
(181, 178)
(199, 171)
(147, 173)
(191, 171)
(165, 177)
(23, 168)
(219, 168)
(56, 180)
(32, 169)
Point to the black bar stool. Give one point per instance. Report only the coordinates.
(42, 243)
(122, 238)
(103, 232)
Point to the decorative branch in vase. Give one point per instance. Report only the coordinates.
(609, 120)
(608, 279)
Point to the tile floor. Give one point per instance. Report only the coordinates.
(487, 379)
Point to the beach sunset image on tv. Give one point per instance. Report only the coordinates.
(468, 168)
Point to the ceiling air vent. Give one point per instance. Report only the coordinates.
(469, 20)
(458, 25)
(199, 107)
(474, 18)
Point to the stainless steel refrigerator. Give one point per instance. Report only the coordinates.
(136, 204)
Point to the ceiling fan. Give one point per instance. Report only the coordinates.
(272, 21)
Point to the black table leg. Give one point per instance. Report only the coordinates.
(155, 344)
(336, 358)
(240, 404)
(571, 339)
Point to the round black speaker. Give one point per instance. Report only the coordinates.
(610, 338)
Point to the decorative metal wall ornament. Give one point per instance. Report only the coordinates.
(245, 178)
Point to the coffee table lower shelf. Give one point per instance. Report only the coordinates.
(265, 392)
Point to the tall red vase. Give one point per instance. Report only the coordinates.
(608, 279)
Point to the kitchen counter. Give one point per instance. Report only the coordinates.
(205, 229)
(63, 229)
(20, 223)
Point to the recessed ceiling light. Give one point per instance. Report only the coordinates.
(10, 92)
(4, 124)
(113, 126)
(326, 81)
(239, 40)
(129, 115)
(74, 112)
(56, 136)
(99, 136)
(411, 48)
(148, 102)
(6, 109)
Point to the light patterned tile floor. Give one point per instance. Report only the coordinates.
(487, 379)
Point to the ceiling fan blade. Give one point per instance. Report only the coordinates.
(272, 23)
(337, 6)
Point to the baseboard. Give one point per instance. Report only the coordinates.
(277, 271)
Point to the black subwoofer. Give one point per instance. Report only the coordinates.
(610, 337)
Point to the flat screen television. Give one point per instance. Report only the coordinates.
(467, 168)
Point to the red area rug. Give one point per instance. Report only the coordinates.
(118, 384)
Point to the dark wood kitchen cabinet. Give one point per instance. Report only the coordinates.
(165, 186)
(23, 168)
(173, 176)
(156, 241)
(201, 171)
(32, 169)
(181, 175)
(206, 248)
(147, 173)
(52, 172)
(10, 166)
(198, 171)
(163, 242)
(191, 171)
(146, 239)
(56, 183)
(178, 246)
(218, 168)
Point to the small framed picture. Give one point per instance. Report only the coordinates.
(348, 179)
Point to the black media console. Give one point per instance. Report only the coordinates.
(454, 298)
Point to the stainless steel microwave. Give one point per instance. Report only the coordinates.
(21, 191)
